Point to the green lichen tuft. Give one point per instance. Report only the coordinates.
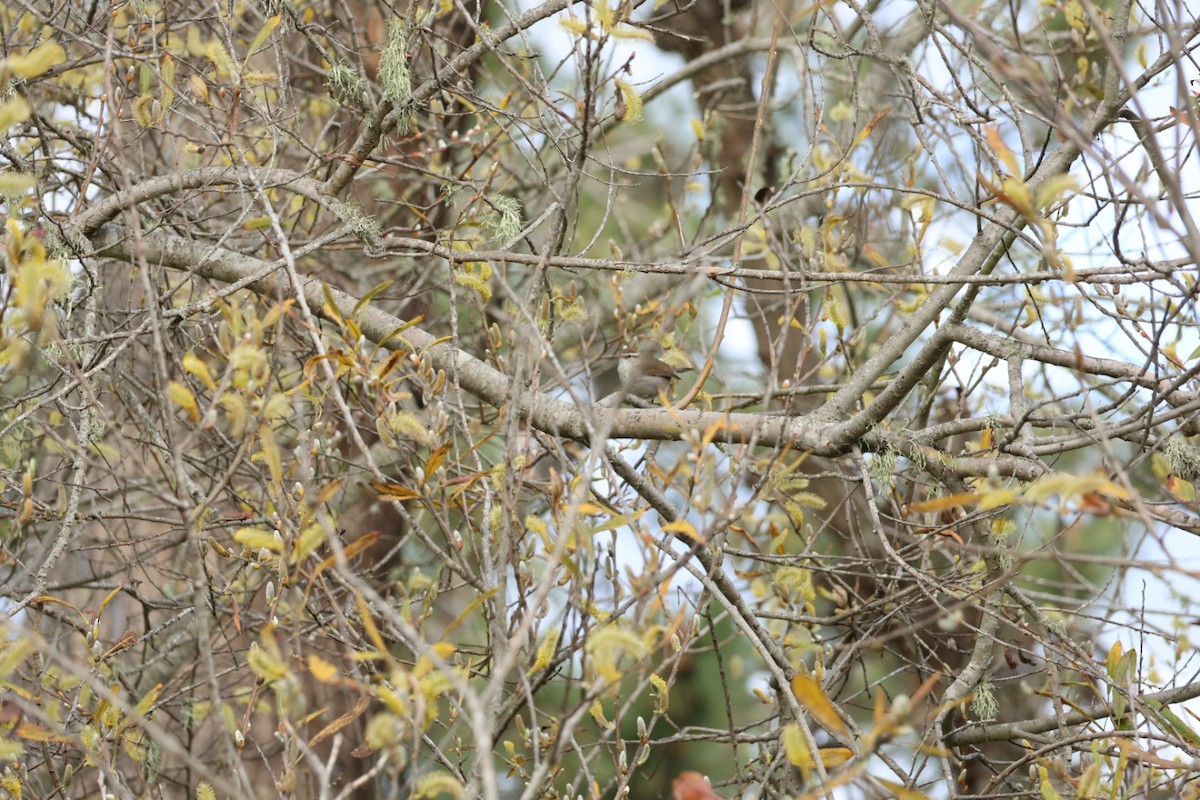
(347, 85)
(505, 221)
(393, 66)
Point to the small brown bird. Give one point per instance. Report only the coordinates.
(642, 375)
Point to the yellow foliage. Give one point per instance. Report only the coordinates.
(684, 528)
(631, 100)
(16, 183)
(573, 24)
(597, 712)
(661, 693)
(475, 276)
(13, 112)
(435, 784)
(812, 697)
(182, 396)
(267, 666)
(796, 581)
(606, 647)
(35, 62)
(796, 749)
(629, 32)
(604, 14)
(215, 52)
(258, 539)
(545, 653)
(144, 112)
(194, 365)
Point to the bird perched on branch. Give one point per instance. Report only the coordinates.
(642, 375)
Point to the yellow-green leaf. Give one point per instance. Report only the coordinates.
(835, 756)
(1053, 188)
(901, 791)
(1173, 722)
(261, 38)
(182, 396)
(870, 126)
(147, 702)
(310, 539)
(108, 598)
(944, 503)
(684, 528)
(796, 749)
(271, 453)
(1181, 490)
(14, 653)
(393, 492)
(810, 695)
(322, 670)
(1001, 150)
(1047, 788)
